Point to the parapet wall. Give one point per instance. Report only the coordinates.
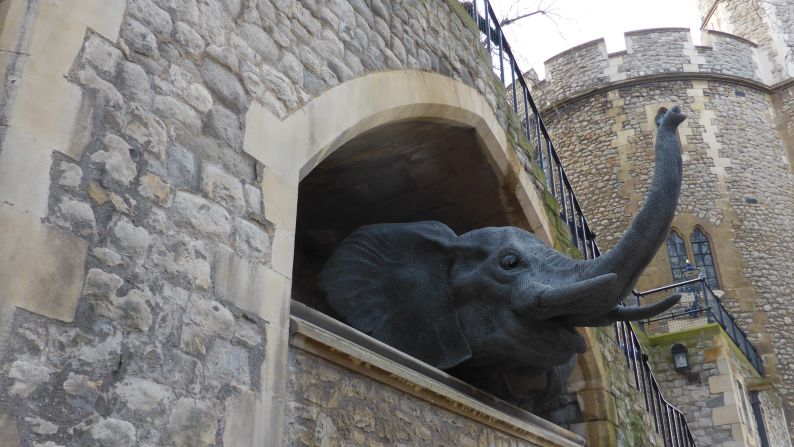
(652, 52)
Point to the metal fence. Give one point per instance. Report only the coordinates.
(668, 420)
(699, 305)
(505, 66)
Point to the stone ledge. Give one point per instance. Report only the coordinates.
(325, 337)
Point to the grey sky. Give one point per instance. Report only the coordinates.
(537, 38)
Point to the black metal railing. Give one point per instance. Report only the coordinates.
(505, 66)
(699, 305)
(668, 420)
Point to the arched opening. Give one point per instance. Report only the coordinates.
(404, 171)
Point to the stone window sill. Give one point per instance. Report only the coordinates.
(328, 338)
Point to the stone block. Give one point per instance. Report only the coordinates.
(201, 215)
(12, 20)
(47, 107)
(251, 240)
(283, 252)
(198, 97)
(192, 423)
(103, 56)
(244, 413)
(720, 384)
(148, 13)
(141, 395)
(246, 284)
(139, 38)
(27, 377)
(224, 84)
(114, 432)
(128, 239)
(34, 274)
(222, 188)
(281, 200)
(253, 199)
(725, 415)
(24, 173)
(180, 168)
(70, 175)
(58, 37)
(148, 130)
(228, 364)
(226, 126)
(711, 354)
(153, 187)
(77, 217)
(102, 16)
(9, 433)
(116, 159)
(597, 405)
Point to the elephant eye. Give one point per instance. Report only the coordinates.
(509, 262)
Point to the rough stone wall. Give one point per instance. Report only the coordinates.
(768, 24)
(152, 212)
(706, 393)
(634, 424)
(760, 171)
(738, 184)
(331, 406)
(588, 60)
(648, 52)
(784, 108)
(654, 51)
(576, 142)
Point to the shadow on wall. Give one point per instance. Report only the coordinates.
(401, 172)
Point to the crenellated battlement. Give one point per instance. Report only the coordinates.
(648, 53)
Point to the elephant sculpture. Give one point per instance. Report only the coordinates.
(496, 306)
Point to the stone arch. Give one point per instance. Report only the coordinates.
(323, 125)
(289, 147)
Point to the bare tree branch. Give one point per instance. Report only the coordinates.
(506, 22)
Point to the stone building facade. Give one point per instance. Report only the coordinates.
(738, 187)
(154, 156)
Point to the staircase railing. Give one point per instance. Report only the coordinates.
(504, 64)
(699, 305)
(668, 420)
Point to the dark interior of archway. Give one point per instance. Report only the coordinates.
(401, 172)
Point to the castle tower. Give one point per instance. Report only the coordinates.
(738, 195)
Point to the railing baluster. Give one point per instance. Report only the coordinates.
(488, 25)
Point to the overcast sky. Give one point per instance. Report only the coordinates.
(537, 38)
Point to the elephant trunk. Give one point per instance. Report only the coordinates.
(629, 257)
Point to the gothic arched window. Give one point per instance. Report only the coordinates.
(676, 251)
(701, 250)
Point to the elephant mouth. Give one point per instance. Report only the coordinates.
(567, 335)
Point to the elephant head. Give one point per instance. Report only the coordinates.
(497, 299)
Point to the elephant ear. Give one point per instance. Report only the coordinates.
(392, 281)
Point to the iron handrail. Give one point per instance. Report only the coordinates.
(713, 308)
(533, 127)
(669, 421)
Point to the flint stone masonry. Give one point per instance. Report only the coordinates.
(648, 53)
(145, 275)
(332, 406)
(737, 150)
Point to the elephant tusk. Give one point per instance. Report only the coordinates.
(578, 291)
(634, 313)
(642, 312)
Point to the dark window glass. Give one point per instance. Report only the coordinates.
(676, 251)
(701, 248)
